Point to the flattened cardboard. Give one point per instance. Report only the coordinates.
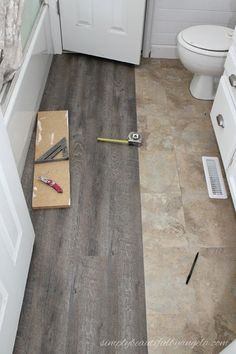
(52, 126)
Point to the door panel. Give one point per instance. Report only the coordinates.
(111, 29)
(10, 227)
(119, 16)
(84, 13)
(3, 303)
(16, 244)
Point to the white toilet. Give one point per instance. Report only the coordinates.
(203, 50)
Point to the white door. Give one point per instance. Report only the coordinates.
(16, 243)
(110, 29)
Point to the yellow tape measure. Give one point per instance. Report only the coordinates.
(133, 139)
(117, 141)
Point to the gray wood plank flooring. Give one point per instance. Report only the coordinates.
(86, 281)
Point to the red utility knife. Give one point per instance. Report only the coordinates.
(51, 184)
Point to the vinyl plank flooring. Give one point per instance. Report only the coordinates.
(86, 281)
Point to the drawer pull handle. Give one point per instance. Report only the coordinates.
(232, 80)
(220, 120)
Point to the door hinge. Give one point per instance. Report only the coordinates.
(58, 8)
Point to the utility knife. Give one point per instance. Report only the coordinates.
(51, 184)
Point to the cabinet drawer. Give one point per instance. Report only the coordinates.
(223, 117)
(230, 72)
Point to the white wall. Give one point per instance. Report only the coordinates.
(171, 16)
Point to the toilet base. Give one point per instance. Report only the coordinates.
(204, 87)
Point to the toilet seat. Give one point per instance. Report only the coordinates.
(207, 39)
(191, 48)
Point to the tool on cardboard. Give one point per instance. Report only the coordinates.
(192, 268)
(49, 155)
(51, 183)
(134, 138)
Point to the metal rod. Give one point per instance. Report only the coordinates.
(192, 268)
(53, 160)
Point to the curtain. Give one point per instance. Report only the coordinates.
(10, 38)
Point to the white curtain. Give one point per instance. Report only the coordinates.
(10, 39)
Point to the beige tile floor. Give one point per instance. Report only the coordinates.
(179, 219)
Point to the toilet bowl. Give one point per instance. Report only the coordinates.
(203, 50)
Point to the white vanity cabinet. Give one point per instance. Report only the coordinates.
(231, 176)
(234, 37)
(223, 117)
(230, 72)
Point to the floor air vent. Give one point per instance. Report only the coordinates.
(214, 178)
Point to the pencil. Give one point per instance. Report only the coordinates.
(192, 268)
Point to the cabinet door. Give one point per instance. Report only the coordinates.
(223, 117)
(230, 72)
(231, 177)
(16, 243)
(234, 37)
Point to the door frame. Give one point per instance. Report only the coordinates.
(54, 13)
(148, 25)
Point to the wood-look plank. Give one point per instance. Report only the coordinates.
(51, 128)
(86, 281)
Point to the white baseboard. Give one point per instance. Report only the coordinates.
(164, 51)
(28, 87)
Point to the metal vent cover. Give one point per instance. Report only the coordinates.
(214, 177)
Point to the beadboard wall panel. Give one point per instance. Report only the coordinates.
(171, 17)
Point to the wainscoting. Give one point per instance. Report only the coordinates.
(171, 16)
